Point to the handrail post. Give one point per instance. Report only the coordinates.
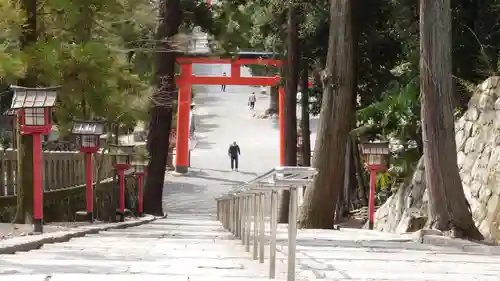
(274, 226)
(236, 217)
(218, 210)
(262, 227)
(256, 224)
(248, 223)
(228, 206)
(244, 208)
(292, 234)
(240, 217)
(243, 220)
(223, 213)
(233, 215)
(230, 215)
(228, 221)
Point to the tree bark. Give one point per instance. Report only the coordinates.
(362, 187)
(448, 208)
(273, 101)
(306, 130)
(292, 76)
(163, 99)
(337, 113)
(29, 37)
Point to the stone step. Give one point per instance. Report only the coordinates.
(167, 234)
(160, 227)
(144, 247)
(171, 247)
(126, 277)
(124, 244)
(146, 255)
(201, 267)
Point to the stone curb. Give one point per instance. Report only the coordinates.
(28, 243)
(460, 244)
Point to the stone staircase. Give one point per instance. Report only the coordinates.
(180, 247)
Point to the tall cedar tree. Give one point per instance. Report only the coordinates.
(24, 211)
(337, 113)
(448, 208)
(292, 76)
(170, 17)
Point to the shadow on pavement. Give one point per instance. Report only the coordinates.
(204, 99)
(226, 171)
(203, 117)
(204, 145)
(177, 187)
(219, 180)
(206, 127)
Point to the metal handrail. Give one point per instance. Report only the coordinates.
(237, 209)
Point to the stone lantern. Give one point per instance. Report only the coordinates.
(89, 133)
(376, 156)
(140, 170)
(122, 155)
(33, 106)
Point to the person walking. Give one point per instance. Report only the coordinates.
(234, 152)
(251, 101)
(223, 87)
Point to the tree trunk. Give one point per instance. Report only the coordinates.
(273, 101)
(292, 76)
(337, 113)
(448, 208)
(161, 115)
(306, 130)
(362, 187)
(24, 211)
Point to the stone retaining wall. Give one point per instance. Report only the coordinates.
(478, 153)
(61, 205)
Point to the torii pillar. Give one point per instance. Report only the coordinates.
(183, 110)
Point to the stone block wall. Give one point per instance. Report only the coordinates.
(62, 205)
(478, 156)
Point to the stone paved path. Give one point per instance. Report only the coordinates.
(222, 118)
(354, 254)
(183, 247)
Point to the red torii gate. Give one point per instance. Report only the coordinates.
(187, 79)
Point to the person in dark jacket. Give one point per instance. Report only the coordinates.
(223, 87)
(234, 152)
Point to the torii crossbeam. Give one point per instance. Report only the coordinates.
(186, 80)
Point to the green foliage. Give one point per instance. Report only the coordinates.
(101, 53)
(5, 141)
(12, 64)
(388, 58)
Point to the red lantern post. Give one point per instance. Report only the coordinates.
(122, 154)
(89, 133)
(140, 173)
(34, 107)
(281, 116)
(376, 155)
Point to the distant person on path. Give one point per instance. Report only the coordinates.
(234, 152)
(251, 101)
(223, 87)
